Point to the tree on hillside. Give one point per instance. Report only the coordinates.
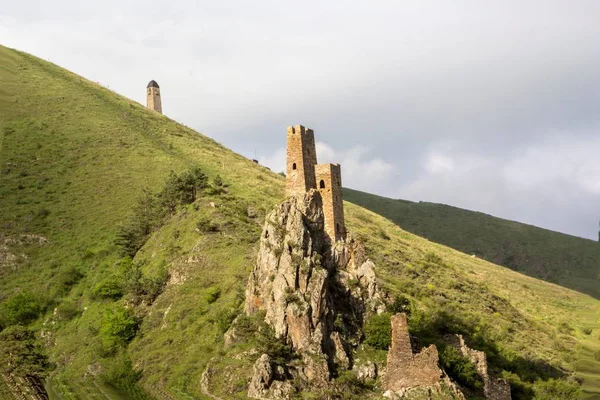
(21, 354)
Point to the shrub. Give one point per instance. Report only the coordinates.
(140, 287)
(378, 331)
(225, 319)
(268, 343)
(401, 304)
(218, 187)
(118, 327)
(349, 387)
(212, 295)
(67, 310)
(21, 354)
(109, 288)
(556, 389)
(21, 309)
(431, 257)
(120, 374)
(205, 225)
(69, 276)
(586, 331)
(460, 368)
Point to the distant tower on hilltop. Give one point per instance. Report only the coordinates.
(301, 160)
(303, 173)
(153, 97)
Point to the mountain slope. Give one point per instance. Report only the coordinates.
(74, 159)
(566, 260)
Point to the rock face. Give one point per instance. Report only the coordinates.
(315, 295)
(494, 388)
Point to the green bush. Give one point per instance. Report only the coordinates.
(401, 304)
(20, 309)
(553, 389)
(348, 387)
(21, 354)
(150, 210)
(69, 276)
(212, 295)
(118, 327)
(206, 225)
(225, 319)
(378, 331)
(460, 368)
(120, 374)
(67, 310)
(109, 288)
(140, 287)
(268, 343)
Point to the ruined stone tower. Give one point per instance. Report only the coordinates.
(329, 184)
(153, 96)
(301, 160)
(303, 174)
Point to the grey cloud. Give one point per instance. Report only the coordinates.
(481, 80)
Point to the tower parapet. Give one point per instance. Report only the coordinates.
(329, 184)
(303, 173)
(301, 160)
(153, 96)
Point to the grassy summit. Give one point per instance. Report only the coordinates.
(74, 160)
(566, 260)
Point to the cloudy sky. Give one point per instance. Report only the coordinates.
(492, 106)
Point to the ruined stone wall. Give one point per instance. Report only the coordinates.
(329, 184)
(405, 369)
(494, 388)
(153, 99)
(301, 161)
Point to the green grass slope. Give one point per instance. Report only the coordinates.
(75, 157)
(567, 260)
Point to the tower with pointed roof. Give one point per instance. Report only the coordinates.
(153, 96)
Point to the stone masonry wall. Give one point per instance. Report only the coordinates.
(301, 161)
(407, 370)
(329, 184)
(494, 388)
(153, 99)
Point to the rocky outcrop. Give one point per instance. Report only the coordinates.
(409, 375)
(263, 384)
(494, 388)
(315, 295)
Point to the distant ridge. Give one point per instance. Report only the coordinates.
(569, 261)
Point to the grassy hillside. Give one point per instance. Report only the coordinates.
(567, 260)
(75, 158)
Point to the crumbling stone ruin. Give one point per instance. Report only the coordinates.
(410, 375)
(494, 388)
(303, 173)
(153, 96)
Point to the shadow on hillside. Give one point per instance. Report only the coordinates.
(554, 257)
(521, 372)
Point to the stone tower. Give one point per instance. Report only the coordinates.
(153, 97)
(329, 184)
(301, 160)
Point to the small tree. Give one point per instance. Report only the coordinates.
(460, 368)
(378, 331)
(118, 327)
(20, 309)
(21, 354)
